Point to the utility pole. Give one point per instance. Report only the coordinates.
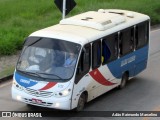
(64, 9)
(65, 6)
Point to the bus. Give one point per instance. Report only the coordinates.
(84, 56)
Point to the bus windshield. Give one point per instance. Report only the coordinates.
(49, 58)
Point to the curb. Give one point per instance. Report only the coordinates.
(154, 27)
(6, 78)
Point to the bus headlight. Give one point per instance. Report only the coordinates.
(63, 93)
(19, 98)
(16, 85)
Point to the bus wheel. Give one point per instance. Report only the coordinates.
(81, 102)
(123, 81)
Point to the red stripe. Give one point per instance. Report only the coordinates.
(48, 86)
(96, 75)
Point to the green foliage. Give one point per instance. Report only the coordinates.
(19, 18)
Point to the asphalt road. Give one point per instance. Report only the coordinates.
(142, 93)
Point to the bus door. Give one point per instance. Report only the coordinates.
(82, 79)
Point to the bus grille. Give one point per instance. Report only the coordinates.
(38, 93)
(40, 104)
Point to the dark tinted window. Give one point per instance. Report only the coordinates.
(84, 63)
(96, 54)
(142, 34)
(109, 48)
(86, 58)
(126, 41)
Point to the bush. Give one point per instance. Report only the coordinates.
(11, 40)
(7, 48)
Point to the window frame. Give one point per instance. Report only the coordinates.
(144, 24)
(130, 41)
(99, 62)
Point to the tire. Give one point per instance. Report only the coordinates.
(81, 102)
(123, 81)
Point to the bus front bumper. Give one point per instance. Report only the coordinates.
(49, 102)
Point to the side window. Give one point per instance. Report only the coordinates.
(126, 41)
(96, 54)
(86, 58)
(84, 63)
(142, 34)
(110, 48)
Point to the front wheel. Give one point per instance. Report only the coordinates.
(123, 81)
(81, 102)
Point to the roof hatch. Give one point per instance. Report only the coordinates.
(95, 20)
(120, 12)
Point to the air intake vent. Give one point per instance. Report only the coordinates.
(87, 18)
(120, 12)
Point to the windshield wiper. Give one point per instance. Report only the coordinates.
(38, 74)
(50, 74)
(32, 73)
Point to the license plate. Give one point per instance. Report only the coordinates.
(36, 101)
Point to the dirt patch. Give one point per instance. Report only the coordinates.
(8, 61)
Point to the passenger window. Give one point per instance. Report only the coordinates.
(142, 34)
(126, 41)
(109, 48)
(84, 63)
(96, 54)
(86, 56)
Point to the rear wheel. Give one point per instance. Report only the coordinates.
(123, 81)
(81, 102)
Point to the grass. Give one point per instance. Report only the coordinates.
(19, 18)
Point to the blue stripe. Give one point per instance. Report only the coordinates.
(134, 62)
(24, 81)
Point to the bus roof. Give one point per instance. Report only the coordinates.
(92, 25)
